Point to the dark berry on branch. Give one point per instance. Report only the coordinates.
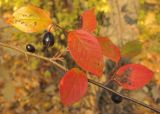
(116, 98)
(48, 39)
(30, 48)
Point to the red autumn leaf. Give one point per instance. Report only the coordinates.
(109, 49)
(73, 86)
(133, 76)
(86, 51)
(89, 21)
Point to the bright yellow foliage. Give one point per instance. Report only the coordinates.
(30, 19)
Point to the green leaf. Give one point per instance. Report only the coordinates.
(131, 49)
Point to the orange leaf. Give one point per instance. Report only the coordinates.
(30, 19)
(89, 21)
(133, 76)
(86, 51)
(109, 49)
(73, 86)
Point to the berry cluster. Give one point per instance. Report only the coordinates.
(48, 41)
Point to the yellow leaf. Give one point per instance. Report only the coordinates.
(30, 19)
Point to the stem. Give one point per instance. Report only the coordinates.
(34, 55)
(125, 97)
(89, 80)
(56, 25)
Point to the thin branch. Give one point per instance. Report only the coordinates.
(89, 80)
(56, 25)
(33, 55)
(125, 97)
(64, 30)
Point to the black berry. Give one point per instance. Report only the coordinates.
(116, 98)
(30, 48)
(48, 39)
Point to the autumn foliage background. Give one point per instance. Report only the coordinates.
(32, 87)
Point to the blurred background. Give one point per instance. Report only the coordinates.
(32, 87)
